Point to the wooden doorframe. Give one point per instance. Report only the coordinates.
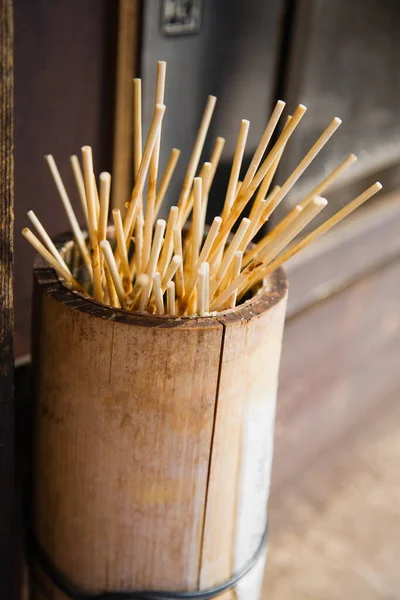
(6, 300)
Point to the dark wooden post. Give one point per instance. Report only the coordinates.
(6, 299)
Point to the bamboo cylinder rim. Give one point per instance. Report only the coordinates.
(273, 290)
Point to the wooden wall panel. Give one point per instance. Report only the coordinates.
(64, 94)
(6, 299)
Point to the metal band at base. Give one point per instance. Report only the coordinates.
(36, 552)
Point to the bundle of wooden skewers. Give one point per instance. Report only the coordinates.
(176, 267)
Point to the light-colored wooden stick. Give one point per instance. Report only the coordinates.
(228, 256)
(206, 176)
(112, 292)
(105, 187)
(304, 164)
(165, 180)
(40, 248)
(141, 176)
(325, 183)
(171, 309)
(174, 265)
(145, 295)
(168, 245)
(137, 255)
(137, 125)
(264, 141)
(47, 240)
(236, 165)
(201, 284)
(196, 223)
(179, 276)
(245, 194)
(196, 153)
(96, 195)
(249, 275)
(87, 162)
(76, 230)
(266, 182)
(141, 282)
(255, 224)
(158, 293)
(112, 266)
(206, 271)
(80, 184)
(153, 171)
(205, 251)
(154, 256)
(236, 268)
(215, 158)
(285, 222)
(119, 234)
(326, 226)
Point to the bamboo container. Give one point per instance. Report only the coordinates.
(153, 440)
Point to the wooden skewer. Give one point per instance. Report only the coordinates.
(246, 194)
(325, 183)
(47, 240)
(206, 176)
(165, 180)
(112, 292)
(141, 176)
(142, 281)
(282, 225)
(96, 195)
(196, 153)
(262, 146)
(175, 264)
(87, 161)
(236, 165)
(255, 223)
(158, 293)
(205, 251)
(326, 226)
(64, 273)
(119, 234)
(226, 261)
(145, 295)
(171, 310)
(154, 256)
(105, 186)
(235, 271)
(206, 271)
(266, 182)
(302, 166)
(201, 291)
(167, 249)
(80, 184)
(215, 158)
(76, 230)
(112, 266)
(137, 125)
(179, 276)
(137, 256)
(153, 171)
(249, 275)
(196, 223)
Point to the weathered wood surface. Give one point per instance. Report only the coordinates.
(130, 438)
(334, 519)
(6, 299)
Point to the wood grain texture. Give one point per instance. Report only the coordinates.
(130, 438)
(127, 68)
(6, 299)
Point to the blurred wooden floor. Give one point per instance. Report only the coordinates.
(336, 534)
